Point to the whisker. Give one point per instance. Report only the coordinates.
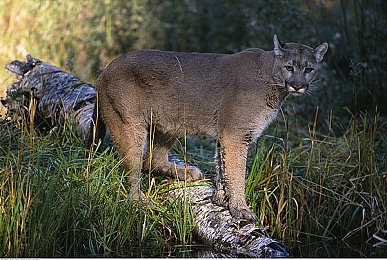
(313, 82)
(283, 91)
(277, 84)
(312, 90)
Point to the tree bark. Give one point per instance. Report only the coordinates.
(214, 225)
(50, 96)
(53, 97)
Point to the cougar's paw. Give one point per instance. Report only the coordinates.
(194, 174)
(242, 212)
(191, 174)
(138, 195)
(140, 199)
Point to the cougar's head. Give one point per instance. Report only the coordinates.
(296, 65)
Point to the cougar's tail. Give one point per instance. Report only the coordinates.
(97, 129)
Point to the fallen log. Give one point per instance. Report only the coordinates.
(57, 97)
(50, 95)
(216, 226)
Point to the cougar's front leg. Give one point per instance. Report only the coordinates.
(219, 196)
(230, 180)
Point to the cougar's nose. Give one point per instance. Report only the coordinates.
(298, 88)
(299, 85)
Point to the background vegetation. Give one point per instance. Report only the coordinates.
(319, 172)
(84, 36)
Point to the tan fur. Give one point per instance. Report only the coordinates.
(150, 96)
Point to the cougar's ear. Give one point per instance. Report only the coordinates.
(278, 47)
(320, 51)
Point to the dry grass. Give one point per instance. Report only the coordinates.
(55, 201)
(319, 184)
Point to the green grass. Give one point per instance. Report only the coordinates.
(307, 179)
(318, 184)
(57, 201)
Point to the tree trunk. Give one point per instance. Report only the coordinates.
(52, 97)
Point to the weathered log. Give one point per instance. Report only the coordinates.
(58, 96)
(61, 96)
(216, 226)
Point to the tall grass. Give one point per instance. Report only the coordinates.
(315, 184)
(54, 201)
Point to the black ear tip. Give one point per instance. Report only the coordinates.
(282, 44)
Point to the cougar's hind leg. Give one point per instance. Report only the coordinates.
(97, 129)
(129, 138)
(133, 154)
(157, 158)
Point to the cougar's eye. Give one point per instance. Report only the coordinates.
(308, 70)
(289, 68)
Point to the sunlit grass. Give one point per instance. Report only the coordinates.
(56, 202)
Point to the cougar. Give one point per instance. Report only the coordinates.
(147, 97)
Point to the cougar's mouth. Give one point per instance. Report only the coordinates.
(296, 89)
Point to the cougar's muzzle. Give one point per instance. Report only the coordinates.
(297, 88)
